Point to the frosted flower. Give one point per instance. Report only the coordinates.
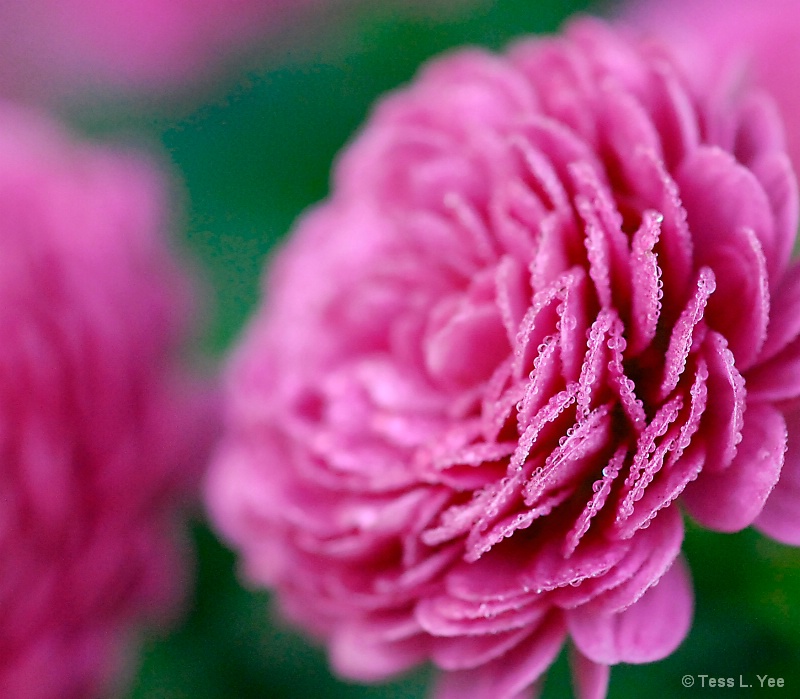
(549, 301)
(102, 434)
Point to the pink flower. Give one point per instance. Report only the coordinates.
(51, 45)
(534, 313)
(754, 40)
(102, 434)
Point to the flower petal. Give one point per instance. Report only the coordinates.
(774, 171)
(589, 678)
(447, 617)
(368, 653)
(732, 223)
(784, 321)
(721, 427)
(510, 674)
(648, 631)
(730, 500)
(780, 517)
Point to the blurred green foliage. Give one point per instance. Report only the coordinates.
(252, 153)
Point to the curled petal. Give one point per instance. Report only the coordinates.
(646, 285)
(774, 171)
(358, 651)
(654, 551)
(784, 322)
(649, 630)
(684, 331)
(509, 675)
(777, 379)
(722, 427)
(731, 239)
(780, 517)
(601, 489)
(731, 500)
(649, 554)
(475, 650)
(675, 248)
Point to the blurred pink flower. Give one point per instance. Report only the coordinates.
(102, 434)
(534, 313)
(750, 40)
(49, 45)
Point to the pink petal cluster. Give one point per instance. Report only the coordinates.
(754, 40)
(102, 434)
(549, 299)
(49, 45)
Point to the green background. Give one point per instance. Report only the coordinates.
(249, 153)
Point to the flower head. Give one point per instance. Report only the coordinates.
(549, 299)
(101, 431)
